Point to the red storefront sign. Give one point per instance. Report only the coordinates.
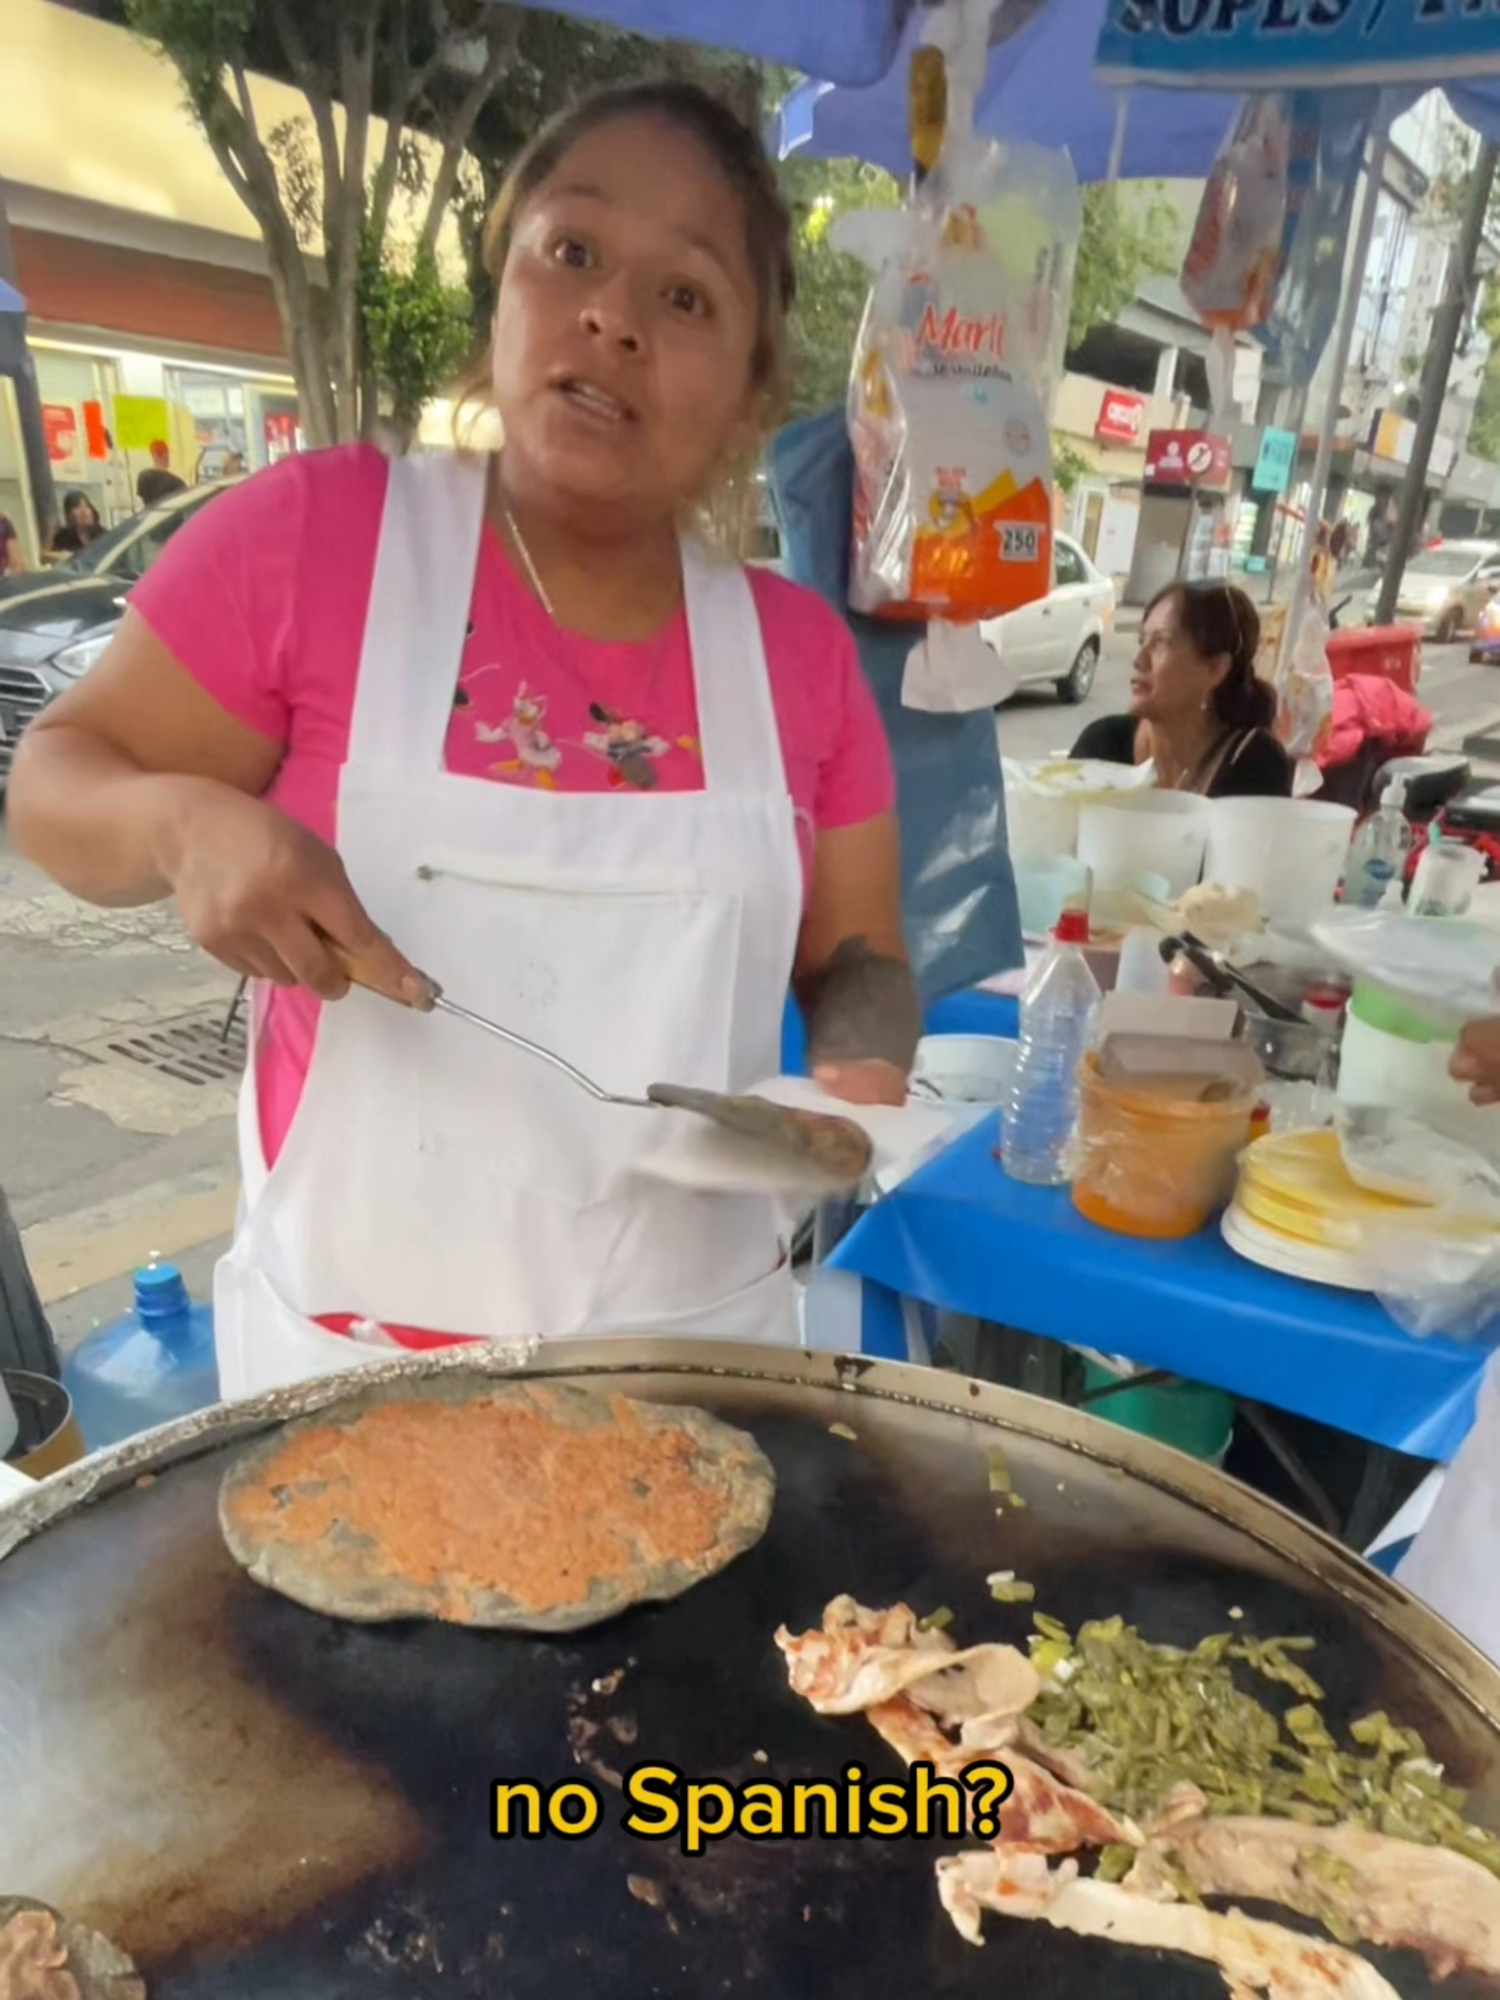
(60, 427)
(1122, 418)
(1189, 458)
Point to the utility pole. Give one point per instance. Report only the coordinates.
(16, 362)
(1447, 324)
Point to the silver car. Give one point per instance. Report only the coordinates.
(1445, 588)
(1058, 640)
(55, 624)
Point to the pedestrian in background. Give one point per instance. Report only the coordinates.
(80, 526)
(158, 481)
(12, 561)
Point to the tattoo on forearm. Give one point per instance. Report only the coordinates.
(861, 1007)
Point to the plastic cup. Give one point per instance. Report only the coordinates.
(1156, 833)
(1290, 852)
(1152, 1165)
(1446, 878)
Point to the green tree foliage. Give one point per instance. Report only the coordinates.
(831, 285)
(1068, 463)
(323, 185)
(1126, 237)
(416, 329)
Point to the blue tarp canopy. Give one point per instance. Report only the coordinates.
(10, 299)
(847, 41)
(1040, 84)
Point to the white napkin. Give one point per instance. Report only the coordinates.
(706, 1158)
(953, 671)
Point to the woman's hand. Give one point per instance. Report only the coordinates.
(269, 899)
(870, 1082)
(1477, 1060)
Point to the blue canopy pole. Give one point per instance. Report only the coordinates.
(1342, 345)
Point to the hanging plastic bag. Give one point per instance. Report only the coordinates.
(953, 375)
(1303, 682)
(1325, 159)
(1233, 260)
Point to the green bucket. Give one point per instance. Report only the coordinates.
(1189, 1416)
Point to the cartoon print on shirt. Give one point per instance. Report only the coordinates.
(536, 753)
(628, 748)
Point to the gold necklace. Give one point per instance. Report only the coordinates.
(512, 529)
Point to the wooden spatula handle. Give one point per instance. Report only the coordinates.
(358, 974)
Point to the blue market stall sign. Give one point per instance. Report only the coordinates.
(1266, 44)
(1273, 466)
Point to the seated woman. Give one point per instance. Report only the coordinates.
(1198, 710)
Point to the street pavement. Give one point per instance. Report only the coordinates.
(117, 1099)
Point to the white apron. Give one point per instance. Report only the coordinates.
(1454, 1563)
(434, 1177)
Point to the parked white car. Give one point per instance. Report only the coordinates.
(1445, 589)
(1059, 639)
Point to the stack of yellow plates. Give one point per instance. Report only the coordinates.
(1296, 1184)
(1297, 1210)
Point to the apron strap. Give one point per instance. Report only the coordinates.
(423, 582)
(736, 714)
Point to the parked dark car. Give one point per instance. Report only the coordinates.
(55, 623)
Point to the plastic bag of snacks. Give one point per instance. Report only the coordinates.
(953, 375)
(1234, 259)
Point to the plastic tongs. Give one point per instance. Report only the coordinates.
(1223, 978)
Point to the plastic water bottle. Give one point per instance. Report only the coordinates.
(1057, 1022)
(1378, 858)
(150, 1365)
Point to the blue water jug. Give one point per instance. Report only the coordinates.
(150, 1365)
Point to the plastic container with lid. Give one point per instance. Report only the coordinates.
(151, 1365)
(1153, 1165)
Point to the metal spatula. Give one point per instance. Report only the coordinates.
(835, 1148)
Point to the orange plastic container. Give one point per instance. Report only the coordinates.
(1154, 1166)
(1393, 652)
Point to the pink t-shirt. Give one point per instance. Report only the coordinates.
(262, 598)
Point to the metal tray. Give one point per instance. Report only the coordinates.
(256, 1801)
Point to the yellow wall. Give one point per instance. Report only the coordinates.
(91, 112)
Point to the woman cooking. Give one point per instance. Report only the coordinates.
(511, 725)
(1198, 710)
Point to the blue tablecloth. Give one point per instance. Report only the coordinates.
(961, 1236)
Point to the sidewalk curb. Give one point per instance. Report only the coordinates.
(72, 1253)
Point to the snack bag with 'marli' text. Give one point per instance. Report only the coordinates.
(947, 416)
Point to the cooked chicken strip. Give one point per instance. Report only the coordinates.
(1392, 1892)
(1255, 1958)
(1039, 1813)
(861, 1657)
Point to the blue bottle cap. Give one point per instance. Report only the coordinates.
(157, 1279)
(160, 1292)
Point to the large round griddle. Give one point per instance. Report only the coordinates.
(261, 1803)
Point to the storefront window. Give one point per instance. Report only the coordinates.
(216, 404)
